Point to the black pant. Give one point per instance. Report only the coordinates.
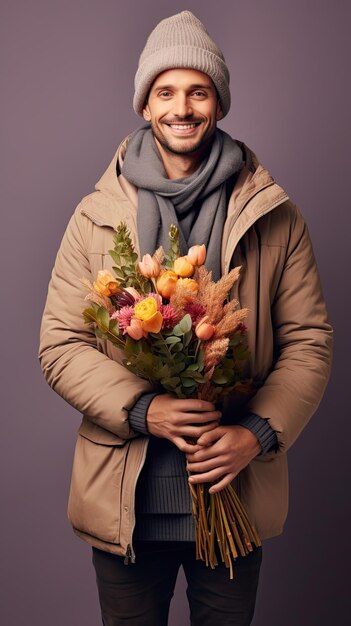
(140, 594)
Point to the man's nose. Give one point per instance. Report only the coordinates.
(182, 106)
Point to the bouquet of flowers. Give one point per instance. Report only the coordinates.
(178, 329)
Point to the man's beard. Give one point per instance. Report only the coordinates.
(201, 143)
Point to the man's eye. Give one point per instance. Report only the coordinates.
(199, 93)
(165, 94)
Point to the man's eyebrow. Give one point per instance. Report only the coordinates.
(191, 87)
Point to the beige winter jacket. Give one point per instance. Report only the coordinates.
(289, 335)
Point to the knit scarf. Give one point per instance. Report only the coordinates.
(197, 204)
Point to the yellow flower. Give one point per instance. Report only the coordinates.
(146, 310)
(166, 283)
(106, 284)
(183, 267)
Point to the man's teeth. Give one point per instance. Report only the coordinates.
(182, 126)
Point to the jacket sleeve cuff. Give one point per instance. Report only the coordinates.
(137, 414)
(261, 429)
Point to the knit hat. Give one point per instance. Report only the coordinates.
(180, 41)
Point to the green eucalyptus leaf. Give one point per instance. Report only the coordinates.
(187, 338)
(177, 347)
(185, 323)
(178, 331)
(103, 317)
(188, 382)
(171, 340)
(171, 382)
(178, 367)
(99, 333)
(89, 315)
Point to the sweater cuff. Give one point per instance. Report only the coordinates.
(137, 414)
(261, 429)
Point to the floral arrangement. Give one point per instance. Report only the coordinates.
(178, 329)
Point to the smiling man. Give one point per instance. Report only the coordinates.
(129, 495)
(183, 108)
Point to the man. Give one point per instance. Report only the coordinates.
(129, 494)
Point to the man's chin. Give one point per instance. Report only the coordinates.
(182, 146)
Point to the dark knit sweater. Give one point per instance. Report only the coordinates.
(163, 503)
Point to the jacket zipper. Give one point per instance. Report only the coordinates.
(130, 554)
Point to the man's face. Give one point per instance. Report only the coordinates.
(183, 108)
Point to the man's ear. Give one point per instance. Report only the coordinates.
(219, 114)
(146, 113)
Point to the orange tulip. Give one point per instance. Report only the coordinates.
(197, 255)
(135, 329)
(183, 267)
(149, 266)
(204, 330)
(166, 283)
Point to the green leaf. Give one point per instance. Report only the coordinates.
(131, 347)
(171, 340)
(99, 333)
(89, 315)
(178, 367)
(172, 382)
(118, 272)
(219, 377)
(188, 382)
(185, 324)
(192, 368)
(115, 257)
(113, 324)
(187, 338)
(103, 317)
(177, 347)
(178, 331)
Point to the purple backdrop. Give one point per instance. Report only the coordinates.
(67, 85)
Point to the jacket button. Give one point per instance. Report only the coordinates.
(126, 509)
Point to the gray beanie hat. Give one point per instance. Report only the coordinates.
(180, 41)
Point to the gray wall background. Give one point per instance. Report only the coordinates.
(67, 84)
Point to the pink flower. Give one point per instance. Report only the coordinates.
(170, 318)
(241, 328)
(196, 312)
(124, 317)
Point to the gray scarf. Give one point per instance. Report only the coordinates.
(197, 204)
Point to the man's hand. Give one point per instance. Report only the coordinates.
(181, 420)
(221, 454)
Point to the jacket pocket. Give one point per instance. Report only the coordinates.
(94, 504)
